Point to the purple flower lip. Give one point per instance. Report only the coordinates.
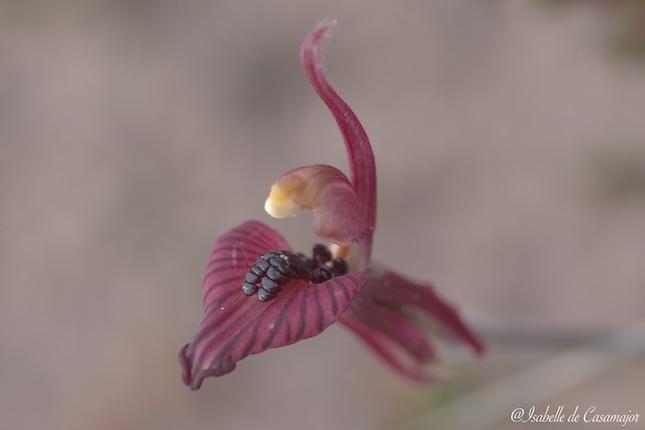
(234, 325)
(300, 297)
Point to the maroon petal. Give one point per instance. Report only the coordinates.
(234, 325)
(382, 316)
(357, 144)
(392, 351)
(390, 323)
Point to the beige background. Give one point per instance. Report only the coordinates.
(509, 142)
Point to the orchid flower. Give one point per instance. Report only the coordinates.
(259, 294)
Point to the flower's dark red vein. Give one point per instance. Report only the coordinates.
(288, 335)
(222, 268)
(238, 241)
(389, 324)
(319, 311)
(249, 347)
(208, 309)
(204, 330)
(433, 306)
(258, 233)
(217, 336)
(218, 284)
(209, 320)
(227, 254)
(303, 314)
(243, 248)
(225, 259)
(229, 345)
(243, 236)
(332, 298)
(247, 253)
(278, 323)
(367, 313)
(219, 246)
(354, 281)
(363, 309)
(247, 240)
(411, 298)
(261, 232)
(272, 241)
(343, 288)
(246, 266)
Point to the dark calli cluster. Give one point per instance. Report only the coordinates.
(275, 268)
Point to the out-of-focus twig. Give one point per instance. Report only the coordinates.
(521, 334)
(494, 402)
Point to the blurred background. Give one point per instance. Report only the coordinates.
(510, 145)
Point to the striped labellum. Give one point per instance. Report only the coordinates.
(234, 326)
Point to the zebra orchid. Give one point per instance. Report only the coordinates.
(259, 294)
